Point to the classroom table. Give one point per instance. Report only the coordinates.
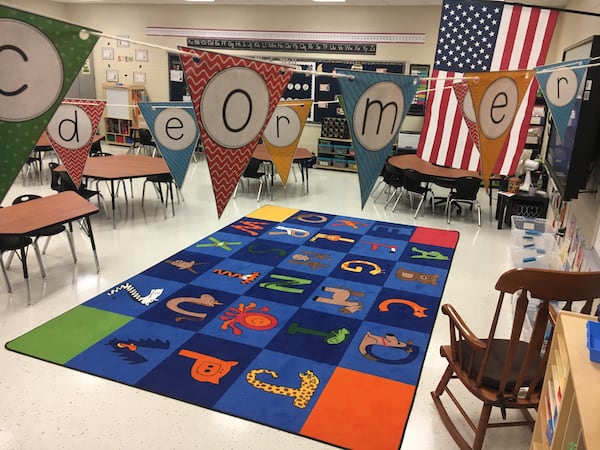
(302, 157)
(122, 167)
(432, 173)
(24, 219)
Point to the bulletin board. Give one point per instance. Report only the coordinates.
(322, 89)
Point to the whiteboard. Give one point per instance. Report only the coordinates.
(117, 103)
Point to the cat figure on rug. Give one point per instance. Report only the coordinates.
(145, 300)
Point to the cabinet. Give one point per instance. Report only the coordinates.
(121, 113)
(336, 153)
(569, 410)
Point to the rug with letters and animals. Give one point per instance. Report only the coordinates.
(311, 323)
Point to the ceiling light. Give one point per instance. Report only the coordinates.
(329, 1)
(200, 1)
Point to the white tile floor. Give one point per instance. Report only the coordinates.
(43, 406)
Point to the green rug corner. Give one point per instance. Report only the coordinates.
(67, 335)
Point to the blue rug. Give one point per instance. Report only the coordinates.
(308, 322)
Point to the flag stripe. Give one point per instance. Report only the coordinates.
(519, 39)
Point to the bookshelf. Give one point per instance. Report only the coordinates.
(122, 113)
(569, 410)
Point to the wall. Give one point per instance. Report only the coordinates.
(573, 28)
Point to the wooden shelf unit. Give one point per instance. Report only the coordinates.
(570, 390)
(336, 154)
(122, 113)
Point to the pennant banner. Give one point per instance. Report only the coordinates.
(496, 100)
(559, 84)
(71, 133)
(39, 60)
(233, 98)
(375, 105)
(283, 132)
(465, 103)
(175, 130)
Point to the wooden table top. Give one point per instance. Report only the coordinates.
(122, 167)
(44, 141)
(27, 217)
(428, 169)
(261, 152)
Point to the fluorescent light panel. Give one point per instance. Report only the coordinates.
(329, 1)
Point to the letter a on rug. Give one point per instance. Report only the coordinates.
(312, 323)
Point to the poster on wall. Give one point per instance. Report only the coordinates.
(417, 107)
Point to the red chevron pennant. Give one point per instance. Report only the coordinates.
(234, 99)
(71, 132)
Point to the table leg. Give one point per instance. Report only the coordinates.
(25, 272)
(112, 200)
(501, 209)
(90, 234)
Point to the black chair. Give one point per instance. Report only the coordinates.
(254, 170)
(393, 181)
(158, 181)
(10, 243)
(61, 181)
(48, 231)
(466, 189)
(417, 184)
(121, 182)
(146, 143)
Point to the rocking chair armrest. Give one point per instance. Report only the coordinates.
(457, 323)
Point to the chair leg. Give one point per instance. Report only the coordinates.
(482, 426)
(402, 191)
(5, 274)
(420, 204)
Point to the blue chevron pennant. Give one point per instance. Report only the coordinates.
(175, 130)
(375, 105)
(560, 83)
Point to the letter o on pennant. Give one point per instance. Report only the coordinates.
(234, 107)
(498, 107)
(31, 72)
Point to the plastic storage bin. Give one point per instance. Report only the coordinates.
(533, 257)
(593, 340)
(529, 228)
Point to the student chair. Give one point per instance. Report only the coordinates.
(507, 373)
(158, 181)
(465, 191)
(254, 170)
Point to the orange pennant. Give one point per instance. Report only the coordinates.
(283, 132)
(496, 99)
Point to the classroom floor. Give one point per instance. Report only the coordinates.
(44, 406)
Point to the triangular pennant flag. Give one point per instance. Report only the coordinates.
(559, 84)
(175, 130)
(71, 133)
(283, 132)
(40, 59)
(233, 98)
(375, 105)
(465, 103)
(496, 100)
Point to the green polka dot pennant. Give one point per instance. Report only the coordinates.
(39, 60)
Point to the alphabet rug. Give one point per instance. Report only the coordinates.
(286, 317)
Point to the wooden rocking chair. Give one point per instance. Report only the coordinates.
(508, 373)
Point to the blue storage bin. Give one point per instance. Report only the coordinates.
(593, 340)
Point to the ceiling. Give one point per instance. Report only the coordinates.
(546, 3)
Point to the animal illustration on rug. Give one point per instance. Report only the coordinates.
(331, 337)
(418, 310)
(331, 237)
(340, 298)
(248, 316)
(409, 275)
(308, 259)
(371, 340)
(184, 265)
(356, 266)
(246, 278)
(207, 368)
(204, 300)
(424, 254)
(302, 395)
(128, 348)
(145, 300)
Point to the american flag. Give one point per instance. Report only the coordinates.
(479, 36)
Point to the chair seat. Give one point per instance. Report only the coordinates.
(496, 362)
(9, 243)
